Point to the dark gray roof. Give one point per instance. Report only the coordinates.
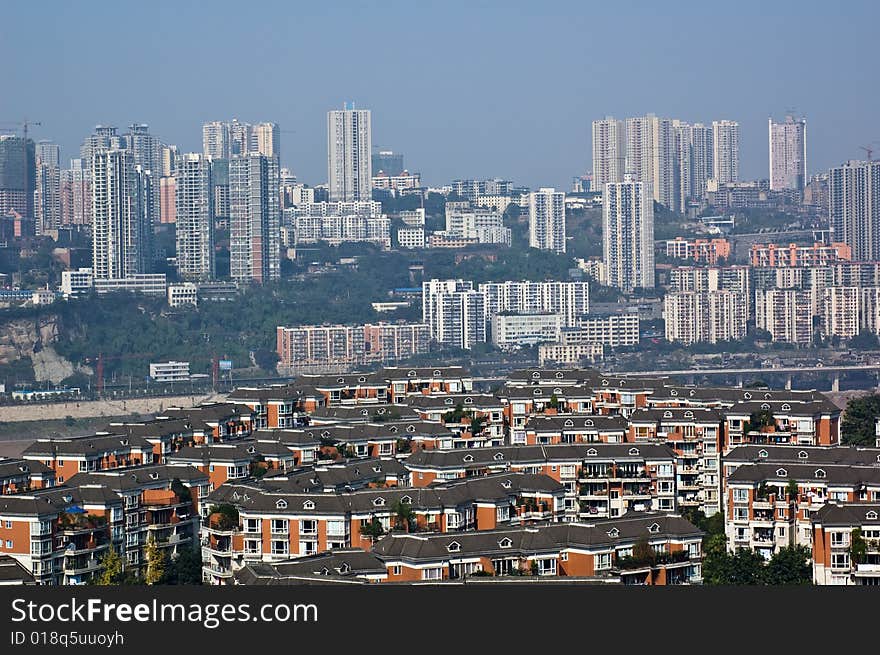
(160, 427)
(211, 453)
(546, 538)
(364, 413)
(830, 474)
(12, 571)
(208, 413)
(581, 422)
(299, 438)
(849, 455)
(16, 466)
(502, 455)
(423, 372)
(848, 514)
(89, 446)
(139, 477)
(43, 502)
(355, 432)
(449, 401)
(675, 414)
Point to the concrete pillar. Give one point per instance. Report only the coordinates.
(788, 382)
(835, 382)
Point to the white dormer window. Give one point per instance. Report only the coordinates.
(340, 380)
(536, 375)
(436, 374)
(592, 452)
(820, 473)
(786, 407)
(235, 495)
(345, 568)
(411, 374)
(667, 414)
(569, 423)
(448, 401)
(763, 453)
(365, 412)
(782, 473)
(692, 392)
(393, 428)
(765, 406)
(688, 414)
(654, 528)
(309, 504)
(468, 458)
(498, 457)
(747, 395)
(362, 379)
(633, 451)
(604, 383)
(379, 502)
(468, 401)
(454, 547)
(506, 484)
(251, 450)
(377, 469)
(410, 428)
(538, 392)
(507, 543)
(557, 390)
(674, 392)
(154, 475)
(560, 375)
(613, 533)
(871, 516)
(281, 504)
(803, 454)
(406, 500)
(589, 423)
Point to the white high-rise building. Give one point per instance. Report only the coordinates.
(76, 194)
(547, 219)
(609, 152)
(349, 143)
(787, 314)
(628, 235)
(839, 312)
(47, 187)
(194, 217)
(651, 157)
(702, 155)
(705, 316)
(255, 218)
(120, 225)
(788, 154)
(267, 139)
(725, 154)
(570, 300)
(147, 152)
(215, 140)
(854, 207)
(455, 312)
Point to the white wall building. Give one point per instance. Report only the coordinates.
(525, 329)
(786, 314)
(194, 217)
(169, 371)
(788, 154)
(349, 163)
(609, 152)
(725, 140)
(628, 235)
(186, 293)
(547, 220)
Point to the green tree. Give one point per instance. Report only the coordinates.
(865, 340)
(858, 420)
(790, 566)
(185, 568)
(156, 559)
(643, 554)
(112, 570)
(404, 517)
(858, 546)
(745, 567)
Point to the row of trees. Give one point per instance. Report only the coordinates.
(184, 569)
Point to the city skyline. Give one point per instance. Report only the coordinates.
(486, 136)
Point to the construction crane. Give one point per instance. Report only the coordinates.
(24, 125)
(99, 368)
(869, 149)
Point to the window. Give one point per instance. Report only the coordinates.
(433, 573)
(694, 549)
(335, 527)
(547, 566)
(252, 525)
(840, 560)
(564, 556)
(251, 546)
(740, 495)
(503, 513)
(308, 527)
(279, 547)
(9, 543)
(603, 561)
(395, 570)
(279, 526)
(8, 524)
(839, 539)
(740, 514)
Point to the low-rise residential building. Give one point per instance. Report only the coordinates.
(846, 544)
(774, 255)
(510, 330)
(705, 316)
(169, 371)
(185, 293)
(563, 354)
(708, 251)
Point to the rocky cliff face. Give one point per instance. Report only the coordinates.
(24, 338)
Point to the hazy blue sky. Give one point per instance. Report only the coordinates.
(463, 89)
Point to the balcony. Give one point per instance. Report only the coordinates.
(71, 524)
(218, 570)
(80, 568)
